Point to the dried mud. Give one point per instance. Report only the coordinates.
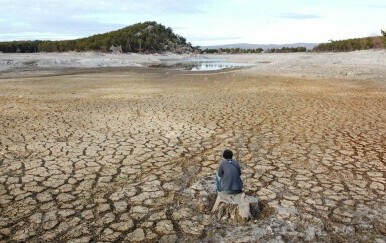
(123, 156)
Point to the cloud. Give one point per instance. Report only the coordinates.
(32, 36)
(62, 26)
(300, 16)
(199, 21)
(86, 17)
(376, 6)
(76, 7)
(214, 38)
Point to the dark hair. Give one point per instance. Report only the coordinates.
(227, 154)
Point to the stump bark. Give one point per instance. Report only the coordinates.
(233, 206)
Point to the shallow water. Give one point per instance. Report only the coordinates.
(200, 64)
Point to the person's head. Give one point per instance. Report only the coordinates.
(227, 154)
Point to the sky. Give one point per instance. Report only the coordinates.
(201, 22)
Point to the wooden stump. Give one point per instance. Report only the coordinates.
(233, 206)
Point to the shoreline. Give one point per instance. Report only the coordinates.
(369, 64)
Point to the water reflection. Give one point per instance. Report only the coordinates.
(200, 64)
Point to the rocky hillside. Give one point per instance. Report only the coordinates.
(147, 37)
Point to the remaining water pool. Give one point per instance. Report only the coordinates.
(200, 64)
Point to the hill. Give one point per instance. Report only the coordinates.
(148, 37)
(365, 43)
(308, 46)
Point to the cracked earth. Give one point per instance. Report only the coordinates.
(126, 156)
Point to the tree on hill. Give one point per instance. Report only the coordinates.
(147, 37)
(384, 38)
(286, 50)
(230, 50)
(374, 42)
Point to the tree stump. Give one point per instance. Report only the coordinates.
(233, 206)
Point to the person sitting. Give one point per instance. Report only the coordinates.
(228, 178)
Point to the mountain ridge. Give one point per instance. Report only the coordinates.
(308, 46)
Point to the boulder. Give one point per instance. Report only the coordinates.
(116, 49)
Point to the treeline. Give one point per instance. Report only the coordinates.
(375, 42)
(286, 50)
(147, 37)
(232, 50)
(258, 50)
(19, 46)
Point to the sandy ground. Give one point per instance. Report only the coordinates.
(124, 155)
(369, 64)
(352, 65)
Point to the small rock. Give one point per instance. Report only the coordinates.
(36, 218)
(164, 227)
(168, 238)
(123, 226)
(157, 216)
(150, 235)
(84, 239)
(182, 213)
(190, 227)
(120, 206)
(136, 236)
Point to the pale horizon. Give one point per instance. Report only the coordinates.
(202, 23)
